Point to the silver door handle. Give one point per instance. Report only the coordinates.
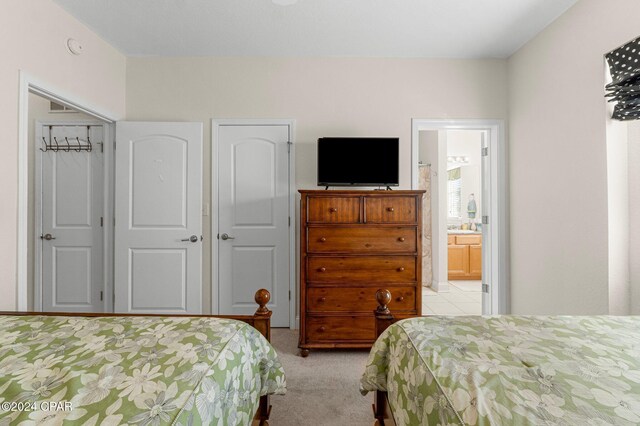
(193, 239)
(47, 237)
(226, 237)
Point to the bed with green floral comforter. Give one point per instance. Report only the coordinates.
(133, 370)
(509, 370)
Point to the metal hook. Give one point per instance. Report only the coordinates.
(57, 146)
(68, 145)
(46, 148)
(79, 145)
(90, 145)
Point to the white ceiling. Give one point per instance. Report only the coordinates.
(385, 28)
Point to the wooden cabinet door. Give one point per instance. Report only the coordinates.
(458, 261)
(475, 262)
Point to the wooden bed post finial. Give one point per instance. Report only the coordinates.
(383, 315)
(262, 298)
(383, 297)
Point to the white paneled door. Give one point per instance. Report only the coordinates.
(253, 218)
(70, 185)
(158, 230)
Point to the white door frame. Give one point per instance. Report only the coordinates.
(29, 83)
(215, 127)
(107, 207)
(497, 208)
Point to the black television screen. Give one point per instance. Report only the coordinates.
(358, 161)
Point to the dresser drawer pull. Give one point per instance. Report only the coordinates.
(321, 329)
(323, 269)
(323, 239)
(390, 209)
(401, 269)
(323, 299)
(400, 299)
(333, 209)
(401, 239)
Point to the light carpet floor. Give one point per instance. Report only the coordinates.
(322, 389)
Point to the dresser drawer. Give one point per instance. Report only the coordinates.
(333, 209)
(390, 209)
(362, 269)
(361, 239)
(341, 328)
(357, 299)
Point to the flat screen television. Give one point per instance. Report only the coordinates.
(358, 161)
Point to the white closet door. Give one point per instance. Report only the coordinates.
(158, 247)
(72, 198)
(253, 212)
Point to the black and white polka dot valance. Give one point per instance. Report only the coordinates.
(624, 63)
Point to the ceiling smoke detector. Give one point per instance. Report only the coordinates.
(73, 46)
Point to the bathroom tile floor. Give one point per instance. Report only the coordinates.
(463, 298)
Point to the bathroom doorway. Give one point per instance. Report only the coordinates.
(464, 221)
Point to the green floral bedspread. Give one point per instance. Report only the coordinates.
(509, 370)
(135, 370)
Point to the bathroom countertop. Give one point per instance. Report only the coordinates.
(463, 232)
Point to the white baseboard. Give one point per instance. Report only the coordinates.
(296, 326)
(440, 286)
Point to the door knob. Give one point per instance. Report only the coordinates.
(47, 237)
(226, 236)
(193, 239)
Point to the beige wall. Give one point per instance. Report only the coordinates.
(327, 97)
(33, 34)
(557, 130)
(617, 137)
(634, 215)
(558, 160)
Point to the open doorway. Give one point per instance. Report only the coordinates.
(69, 193)
(452, 161)
(461, 166)
(43, 103)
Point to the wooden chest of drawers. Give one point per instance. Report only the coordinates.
(353, 243)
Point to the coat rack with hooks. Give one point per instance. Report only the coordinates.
(67, 145)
